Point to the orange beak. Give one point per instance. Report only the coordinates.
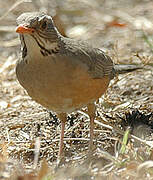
(22, 30)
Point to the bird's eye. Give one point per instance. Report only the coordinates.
(44, 25)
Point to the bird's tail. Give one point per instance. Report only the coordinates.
(125, 68)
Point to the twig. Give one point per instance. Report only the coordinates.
(13, 7)
(37, 150)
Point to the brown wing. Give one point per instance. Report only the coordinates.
(99, 64)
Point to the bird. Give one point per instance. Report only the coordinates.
(60, 73)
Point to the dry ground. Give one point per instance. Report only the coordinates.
(123, 29)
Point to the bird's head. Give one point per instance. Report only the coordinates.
(37, 32)
(30, 23)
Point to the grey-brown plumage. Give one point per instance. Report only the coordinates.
(60, 73)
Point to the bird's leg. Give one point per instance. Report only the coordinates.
(62, 117)
(91, 113)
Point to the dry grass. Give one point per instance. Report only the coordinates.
(30, 134)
